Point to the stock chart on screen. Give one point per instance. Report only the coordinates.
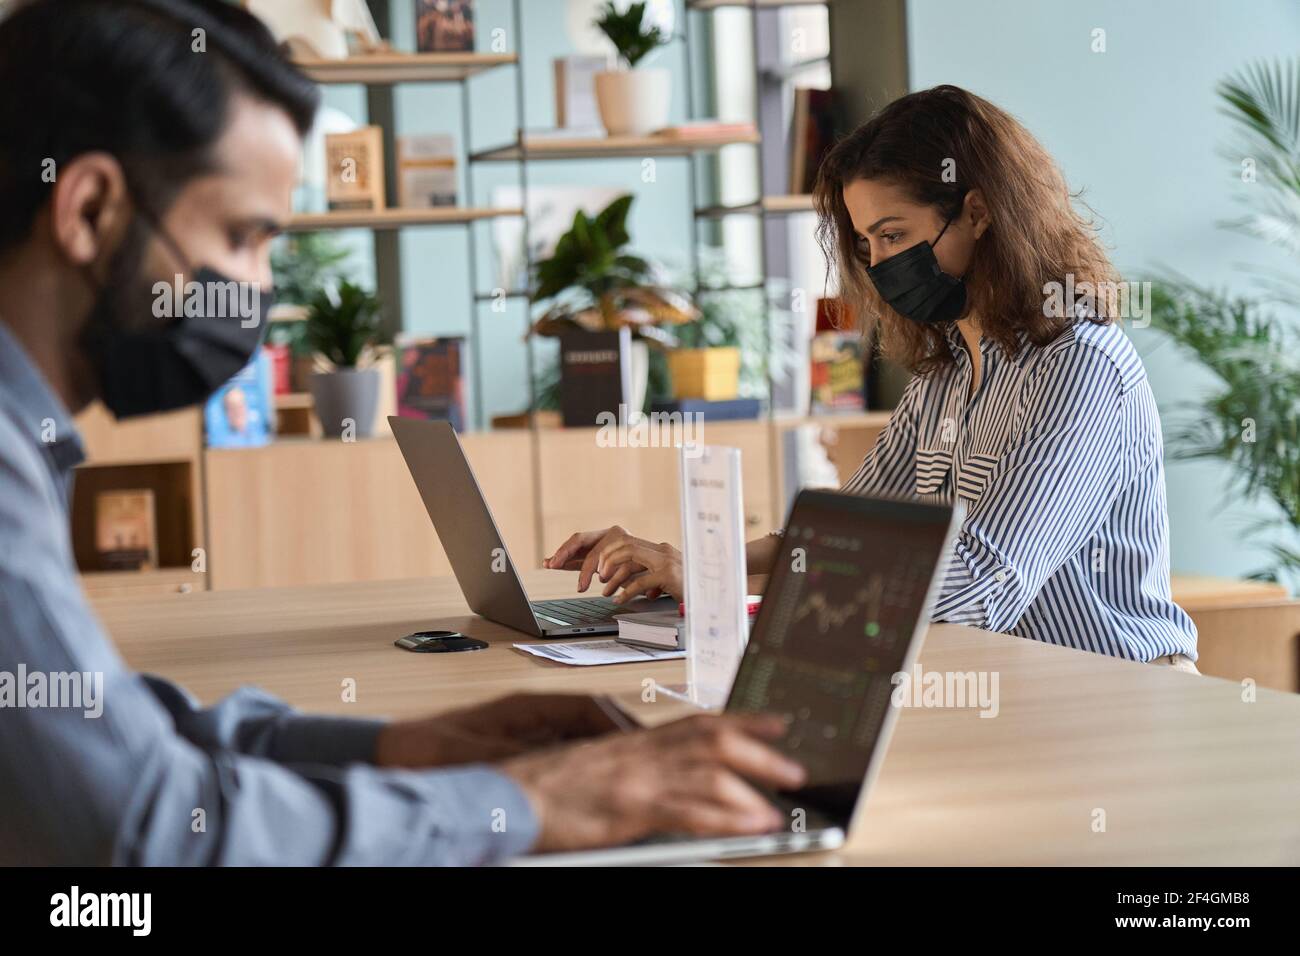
(837, 620)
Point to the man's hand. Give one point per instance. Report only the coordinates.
(619, 559)
(503, 728)
(685, 777)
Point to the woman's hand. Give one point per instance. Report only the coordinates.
(619, 559)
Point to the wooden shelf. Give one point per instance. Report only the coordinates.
(285, 400)
(599, 147)
(769, 205)
(394, 218)
(788, 204)
(382, 69)
(170, 438)
(287, 312)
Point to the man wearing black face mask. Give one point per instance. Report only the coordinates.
(142, 176)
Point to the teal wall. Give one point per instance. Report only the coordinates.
(1138, 129)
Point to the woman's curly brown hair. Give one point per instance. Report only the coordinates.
(1035, 235)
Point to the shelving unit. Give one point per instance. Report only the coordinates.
(770, 205)
(381, 73)
(607, 147)
(163, 454)
(386, 69)
(380, 219)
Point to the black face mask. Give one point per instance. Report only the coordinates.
(209, 337)
(916, 288)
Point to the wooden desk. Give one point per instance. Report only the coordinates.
(1184, 770)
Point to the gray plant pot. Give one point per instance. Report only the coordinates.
(343, 395)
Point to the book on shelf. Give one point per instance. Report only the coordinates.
(575, 92)
(595, 375)
(444, 26)
(240, 413)
(354, 172)
(812, 133)
(430, 379)
(126, 538)
(426, 171)
(706, 129)
(838, 372)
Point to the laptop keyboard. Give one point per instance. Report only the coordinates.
(598, 610)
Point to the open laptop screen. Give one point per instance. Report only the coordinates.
(837, 621)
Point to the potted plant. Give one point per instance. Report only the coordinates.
(602, 299)
(632, 101)
(343, 327)
(724, 353)
(303, 264)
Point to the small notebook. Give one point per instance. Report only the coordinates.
(658, 629)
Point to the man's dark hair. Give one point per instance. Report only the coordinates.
(125, 77)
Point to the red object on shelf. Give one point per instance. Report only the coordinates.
(281, 362)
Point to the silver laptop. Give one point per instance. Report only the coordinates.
(841, 616)
(478, 556)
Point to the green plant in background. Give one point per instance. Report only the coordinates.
(752, 320)
(743, 318)
(1251, 419)
(343, 324)
(631, 35)
(304, 263)
(1264, 101)
(592, 283)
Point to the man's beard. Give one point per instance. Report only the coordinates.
(123, 301)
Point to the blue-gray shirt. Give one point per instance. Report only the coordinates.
(154, 778)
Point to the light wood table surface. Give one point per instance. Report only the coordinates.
(1183, 769)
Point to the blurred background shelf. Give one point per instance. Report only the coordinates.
(381, 219)
(609, 147)
(380, 69)
(769, 205)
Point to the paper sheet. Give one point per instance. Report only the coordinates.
(592, 653)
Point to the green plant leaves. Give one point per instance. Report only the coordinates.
(587, 261)
(1251, 420)
(1263, 99)
(628, 31)
(343, 322)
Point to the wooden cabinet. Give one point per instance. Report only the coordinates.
(323, 512)
(585, 485)
(309, 511)
(157, 453)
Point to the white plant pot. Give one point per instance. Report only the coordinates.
(634, 102)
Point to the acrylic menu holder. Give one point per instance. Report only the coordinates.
(713, 566)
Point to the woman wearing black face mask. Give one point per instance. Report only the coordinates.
(953, 234)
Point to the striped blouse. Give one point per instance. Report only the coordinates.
(1058, 458)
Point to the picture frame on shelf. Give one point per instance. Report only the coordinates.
(444, 26)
